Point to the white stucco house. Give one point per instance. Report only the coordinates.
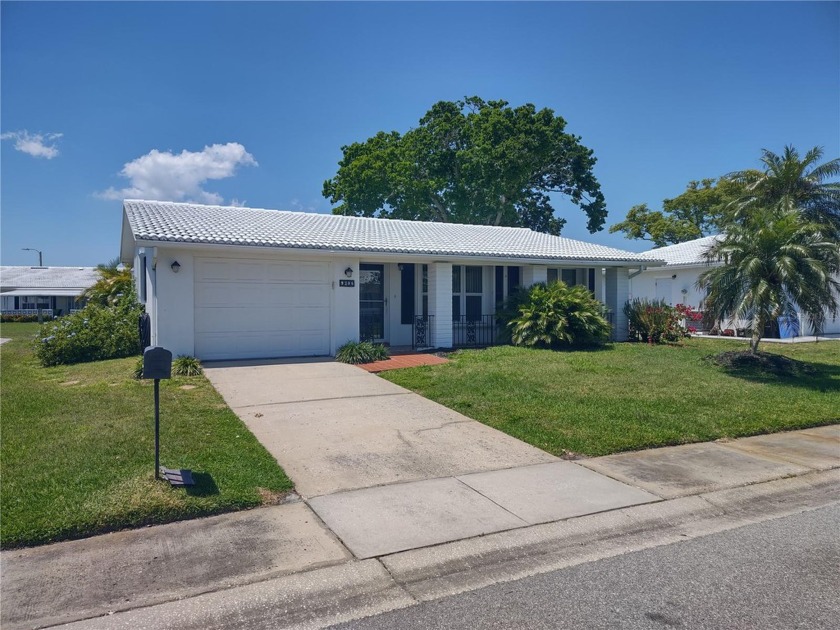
(676, 281)
(236, 283)
(52, 290)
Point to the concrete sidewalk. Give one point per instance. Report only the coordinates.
(284, 565)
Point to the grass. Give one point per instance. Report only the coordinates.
(634, 396)
(77, 453)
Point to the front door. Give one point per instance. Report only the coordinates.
(371, 302)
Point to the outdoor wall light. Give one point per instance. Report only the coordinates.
(175, 266)
(674, 277)
(348, 272)
(400, 266)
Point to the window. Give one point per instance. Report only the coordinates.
(32, 302)
(467, 292)
(513, 279)
(552, 276)
(569, 276)
(407, 293)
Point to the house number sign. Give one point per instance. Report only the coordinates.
(346, 283)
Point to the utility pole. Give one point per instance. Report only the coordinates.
(40, 254)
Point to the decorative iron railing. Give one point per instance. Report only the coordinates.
(472, 332)
(46, 312)
(421, 332)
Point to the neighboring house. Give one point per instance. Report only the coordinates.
(52, 290)
(231, 283)
(676, 282)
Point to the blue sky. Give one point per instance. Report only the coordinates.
(662, 92)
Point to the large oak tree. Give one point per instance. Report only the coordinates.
(471, 161)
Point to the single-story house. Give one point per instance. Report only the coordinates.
(236, 283)
(676, 282)
(52, 290)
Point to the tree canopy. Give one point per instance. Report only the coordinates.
(699, 211)
(789, 183)
(471, 161)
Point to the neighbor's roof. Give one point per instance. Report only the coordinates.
(48, 278)
(688, 253)
(157, 221)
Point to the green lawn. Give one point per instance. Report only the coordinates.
(631, 396)
(77, 453)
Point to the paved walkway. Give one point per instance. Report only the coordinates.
(334, 427)
(399, 361)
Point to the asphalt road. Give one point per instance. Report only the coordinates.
(781, 574)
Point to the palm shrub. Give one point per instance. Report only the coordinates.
(509, 309)
(772, 261)
(557, 316)
(115, 282)
(361, 352)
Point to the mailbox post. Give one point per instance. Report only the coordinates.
(157, 364)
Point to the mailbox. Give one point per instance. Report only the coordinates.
(157, 363)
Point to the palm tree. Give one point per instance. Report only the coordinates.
(790, 183)
(774, 261)
(114, 282)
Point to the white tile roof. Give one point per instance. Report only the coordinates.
(688, 253)
(156, 221)
(48, 277)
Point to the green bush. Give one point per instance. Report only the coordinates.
(8, 319)
(361, 352)
(509, 310)
(185, 365)
(93, 334)
(557, 316)
(138, 368)
(653, 321)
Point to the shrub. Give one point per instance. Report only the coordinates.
(653, 321)
(185, 365)
(138, 368)
(557, 315)
(509, 310)
(356, 352)
(8, 319)
(93, 334)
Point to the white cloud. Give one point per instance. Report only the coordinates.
(165, 176)
(34, 144)
(298, 206)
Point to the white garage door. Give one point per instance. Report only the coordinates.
(256, 309)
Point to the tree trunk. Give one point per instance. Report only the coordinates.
(758, 327)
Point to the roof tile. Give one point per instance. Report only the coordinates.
(159, 221)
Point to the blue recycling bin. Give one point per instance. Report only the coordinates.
(788, 327)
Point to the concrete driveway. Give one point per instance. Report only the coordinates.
(335, 427)
(388, 470)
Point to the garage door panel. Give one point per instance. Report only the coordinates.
(280, 272)
(312, 295)
(313, 272)
(259, 345)
(255, 309)
(215, 271)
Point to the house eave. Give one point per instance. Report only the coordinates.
(385, 256)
